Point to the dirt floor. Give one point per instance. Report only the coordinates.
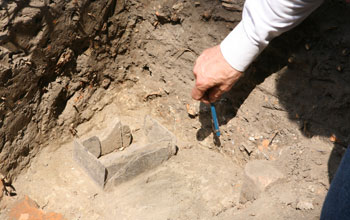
(295, 97)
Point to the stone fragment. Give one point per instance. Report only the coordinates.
(304, 205)
(111, 138)
(156, 132)
(2, 190)
(207, 15)
(93, 145)
(126, 136)
(140, 159)
(178, 6)
(89, 163)
(105, 83)
(193, 109)
(27, 209)
(231, 7)
(259, 174)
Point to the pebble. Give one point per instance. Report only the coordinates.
(345, 52)
(105, 83)
(339, 68)
(178, 6)
(304, 205)
(207, 15)
(307, 46)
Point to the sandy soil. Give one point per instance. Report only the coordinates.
(296, 96)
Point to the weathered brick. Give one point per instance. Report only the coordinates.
(27, 209)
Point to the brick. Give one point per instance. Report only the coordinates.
(27, 209)
(258, 175)
(89, 163)
(93, 145)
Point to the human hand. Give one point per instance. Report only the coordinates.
(214, 76)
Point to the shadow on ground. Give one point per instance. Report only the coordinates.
(314, 89)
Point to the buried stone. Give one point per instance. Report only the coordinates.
(93, 145)
(115, 137)
(259, 174)
(136, 160)
(117, 167)
(123, 166)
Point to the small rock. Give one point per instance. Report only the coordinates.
(89, 163)
(93, 145)
(105, 83)
(251, 138)
(207, 15)
(175, 19)
(231, 7)
(339, 68)
(307, 47)
(259, 174)
(65, 57)
(304, 205)
(193, 109)
(196, 4)
(178, 6)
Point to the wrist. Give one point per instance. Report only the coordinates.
(238, 50)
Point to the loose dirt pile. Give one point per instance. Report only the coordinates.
(65, 66)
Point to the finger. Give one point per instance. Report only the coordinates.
(194, 71)
(197, 94)
(205, 99)
(215, 93)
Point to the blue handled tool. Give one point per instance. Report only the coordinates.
(215, 120)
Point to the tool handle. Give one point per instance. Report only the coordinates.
(215, 120)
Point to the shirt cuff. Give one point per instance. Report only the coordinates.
(238, 50)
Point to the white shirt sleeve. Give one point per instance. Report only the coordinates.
(262, 20)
